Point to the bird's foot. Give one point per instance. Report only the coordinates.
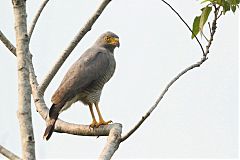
(102, 122)
(93, 124)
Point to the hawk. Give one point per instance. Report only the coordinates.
(85, 80)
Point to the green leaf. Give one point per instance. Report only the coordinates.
(226, 7)
(204, 1)
(204, 16)
(195, 27)
(220, 2)
(233, 8)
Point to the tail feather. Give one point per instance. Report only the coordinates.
(53, 116)
(49, 130)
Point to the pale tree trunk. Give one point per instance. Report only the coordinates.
(24, 90)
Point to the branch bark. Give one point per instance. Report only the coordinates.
(8, 153)
(24, 90)
(34, 22)
(87, 27)
(7, 43)
(113, 142)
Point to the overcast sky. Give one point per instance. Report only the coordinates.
(198, 117)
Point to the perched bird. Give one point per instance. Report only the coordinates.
(85, 80)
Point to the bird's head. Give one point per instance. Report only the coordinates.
(108, 40)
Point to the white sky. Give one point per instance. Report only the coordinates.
(198, 117)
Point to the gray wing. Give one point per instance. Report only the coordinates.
(88, 68)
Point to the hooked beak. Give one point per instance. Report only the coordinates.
(115, 42)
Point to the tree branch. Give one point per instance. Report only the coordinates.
(44, 3)
(213, 29)
(184, 23)
(7, 43)
(198, 64)
(87, 27)
(113, 142)
(5, 152)
(24, 90)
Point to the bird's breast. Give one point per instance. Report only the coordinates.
(93, 92)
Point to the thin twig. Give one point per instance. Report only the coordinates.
(210, 29)
(220, 15)
(204, 36)
(8, 154)
(34, 22)
(185, 24)
(7, 43)
(87, 27)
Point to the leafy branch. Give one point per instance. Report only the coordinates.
(223, 7)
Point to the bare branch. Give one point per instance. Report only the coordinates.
(221, 13)
(85, 130)
(5, 152)
(34, 22)
(185, 24)
(113, 142)
(24, 90)
(38, 99)
(198, 64)
(7, 43)
(87, 27)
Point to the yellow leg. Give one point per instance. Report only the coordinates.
(94, 122)
(101, 121)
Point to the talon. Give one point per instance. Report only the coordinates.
(102, 122)
(93, 124)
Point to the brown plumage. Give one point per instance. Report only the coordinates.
(84, 81)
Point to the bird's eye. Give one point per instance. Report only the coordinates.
(107, 38)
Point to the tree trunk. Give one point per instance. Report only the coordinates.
(24, 90)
